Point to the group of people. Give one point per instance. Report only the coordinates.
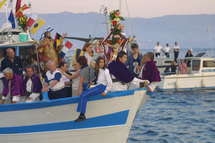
(182, 67)
(119, 74)
(166, 50)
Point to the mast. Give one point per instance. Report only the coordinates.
(120, 5)
(107, 20)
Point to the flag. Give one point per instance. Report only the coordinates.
(37, 25)
(57, 40)
(11, 19)
(18, 3)
(78, 52)
(49, 28)
(65, 49)
(31, 20)
(20, 11)
(2, 3)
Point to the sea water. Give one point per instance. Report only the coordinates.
(176, 117)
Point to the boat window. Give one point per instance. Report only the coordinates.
(208, 64)
(168, 62)
(156, 62)
(25, 53)
(195, 64)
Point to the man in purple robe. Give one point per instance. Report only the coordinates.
(150, 72)
(13, 88)
(122, 77)
(32, 85)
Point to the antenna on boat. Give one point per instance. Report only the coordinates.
(209, 31)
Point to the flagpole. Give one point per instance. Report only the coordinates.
(35, 42)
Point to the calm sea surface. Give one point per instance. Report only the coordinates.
(176, 117)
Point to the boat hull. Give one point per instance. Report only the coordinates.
(109, 119)
(187, 81)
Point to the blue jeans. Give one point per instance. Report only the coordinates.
(90, 92)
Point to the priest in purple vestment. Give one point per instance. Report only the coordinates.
(13, 88)
(122, 77)
(150, 72)
(32, 85)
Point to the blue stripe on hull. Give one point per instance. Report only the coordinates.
(62, 101)
(114, 119)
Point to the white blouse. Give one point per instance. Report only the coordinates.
(105, 79)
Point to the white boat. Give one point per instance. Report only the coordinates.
(200, 75)
(109, 119)
(162, 63)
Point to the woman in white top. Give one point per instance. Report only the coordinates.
(88, 54)
(104, 84)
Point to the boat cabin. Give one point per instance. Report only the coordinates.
(162, 63)
(199, 64)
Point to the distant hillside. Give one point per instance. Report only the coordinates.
(188, 30)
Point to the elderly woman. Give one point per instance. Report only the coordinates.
(54, 83)
(76, 80)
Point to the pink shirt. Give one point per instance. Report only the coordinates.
(182, 68)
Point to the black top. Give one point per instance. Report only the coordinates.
(189, 55)
(173, 69)
(15, 66)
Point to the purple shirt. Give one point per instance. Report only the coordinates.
(37, 85)
(16, 86)
(150, 72)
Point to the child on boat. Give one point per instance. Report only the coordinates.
(104, 84)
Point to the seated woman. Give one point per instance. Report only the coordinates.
(104, 84)
(173, 67)
(167, 71)
(182, 67)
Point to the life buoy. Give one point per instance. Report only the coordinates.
(177, 85)
(99, 50)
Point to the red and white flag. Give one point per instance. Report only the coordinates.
(31, 20)
(65, 49)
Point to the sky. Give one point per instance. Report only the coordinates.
(136, 8)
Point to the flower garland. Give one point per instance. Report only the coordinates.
(22, 20)
(117, 28)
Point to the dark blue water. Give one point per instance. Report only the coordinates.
(176, 117)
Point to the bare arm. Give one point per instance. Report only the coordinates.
(75, 75)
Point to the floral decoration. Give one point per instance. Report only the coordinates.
(117, 28)
(22, 20)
